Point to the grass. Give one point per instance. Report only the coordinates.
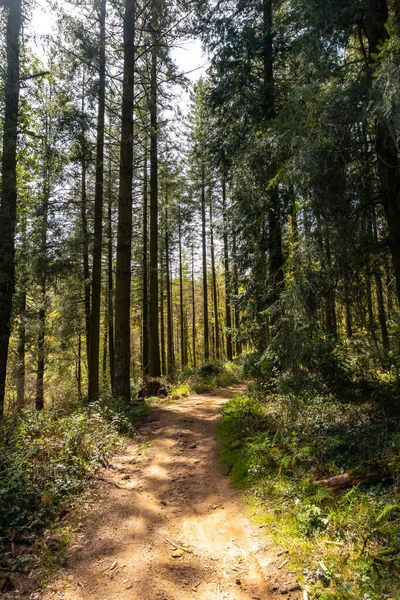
(208, 377)
(341, 546)
(211, 376)
(182, 390)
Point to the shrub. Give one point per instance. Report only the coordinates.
(211, 375)
(181, 391)
(311, 520)
(47, 457)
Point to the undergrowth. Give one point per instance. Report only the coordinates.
(342, 545)
(208, 377)
(46, 460)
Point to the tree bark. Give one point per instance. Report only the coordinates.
(105, 342)
(93, 383)
(235, 289)
(8, 205)
(110, 295)
(193, 311)
(79, 367)
(155, 366)
(21, 351)
(43, 269)
(39, 396)
(170, 334)
(228, 314)
(368, 292)
(205, 283)
(85, 237)
(183, 339)
(124, 242)
(379, 290)
(214, 284)
(388, 164)
(162, 320)
(276, 260)
(21, 347)
(145, 283)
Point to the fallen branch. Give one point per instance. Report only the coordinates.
(367, 473)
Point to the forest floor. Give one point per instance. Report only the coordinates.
(168, 525)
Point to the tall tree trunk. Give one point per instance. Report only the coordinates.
(155, 366)
(214, 284)
(21, 349)
(85, 237)
(235, 289)
(105, 342)
(388, 164)
(381, 307)
(181, 306)
(388, 284)
(124, 242)
(110, 295)
(93, 382)
(162, 320)
(43, 268)
(79, 367)
(193, 311)
(276, 261)
(379, 289)
(170, 335)
(8, 205)
(228, 315)
(145, 283)
(205, 283)
(368, 292)
(326, 264)
(349, 326)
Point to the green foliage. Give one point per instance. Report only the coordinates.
(123, 417)
(180, 391)
(280, 454)
(47, 458)
(311, 520)
(211, 376)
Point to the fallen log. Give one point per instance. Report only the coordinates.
(367, 473)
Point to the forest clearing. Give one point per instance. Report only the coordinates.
(200, 197)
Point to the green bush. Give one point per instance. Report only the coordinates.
(180, 391)
(211, 375)
(279, 455)
(123, 417)
(311, 520)
(47, 457)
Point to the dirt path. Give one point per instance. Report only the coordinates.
(173, 529)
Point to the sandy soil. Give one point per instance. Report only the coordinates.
(169, 526)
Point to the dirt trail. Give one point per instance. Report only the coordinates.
(173, 529)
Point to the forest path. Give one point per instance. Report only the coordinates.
(169, 526)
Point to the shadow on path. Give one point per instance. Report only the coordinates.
(168, 526)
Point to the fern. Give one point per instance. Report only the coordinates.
(387, 511)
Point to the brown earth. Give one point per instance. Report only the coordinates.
(168, 525)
